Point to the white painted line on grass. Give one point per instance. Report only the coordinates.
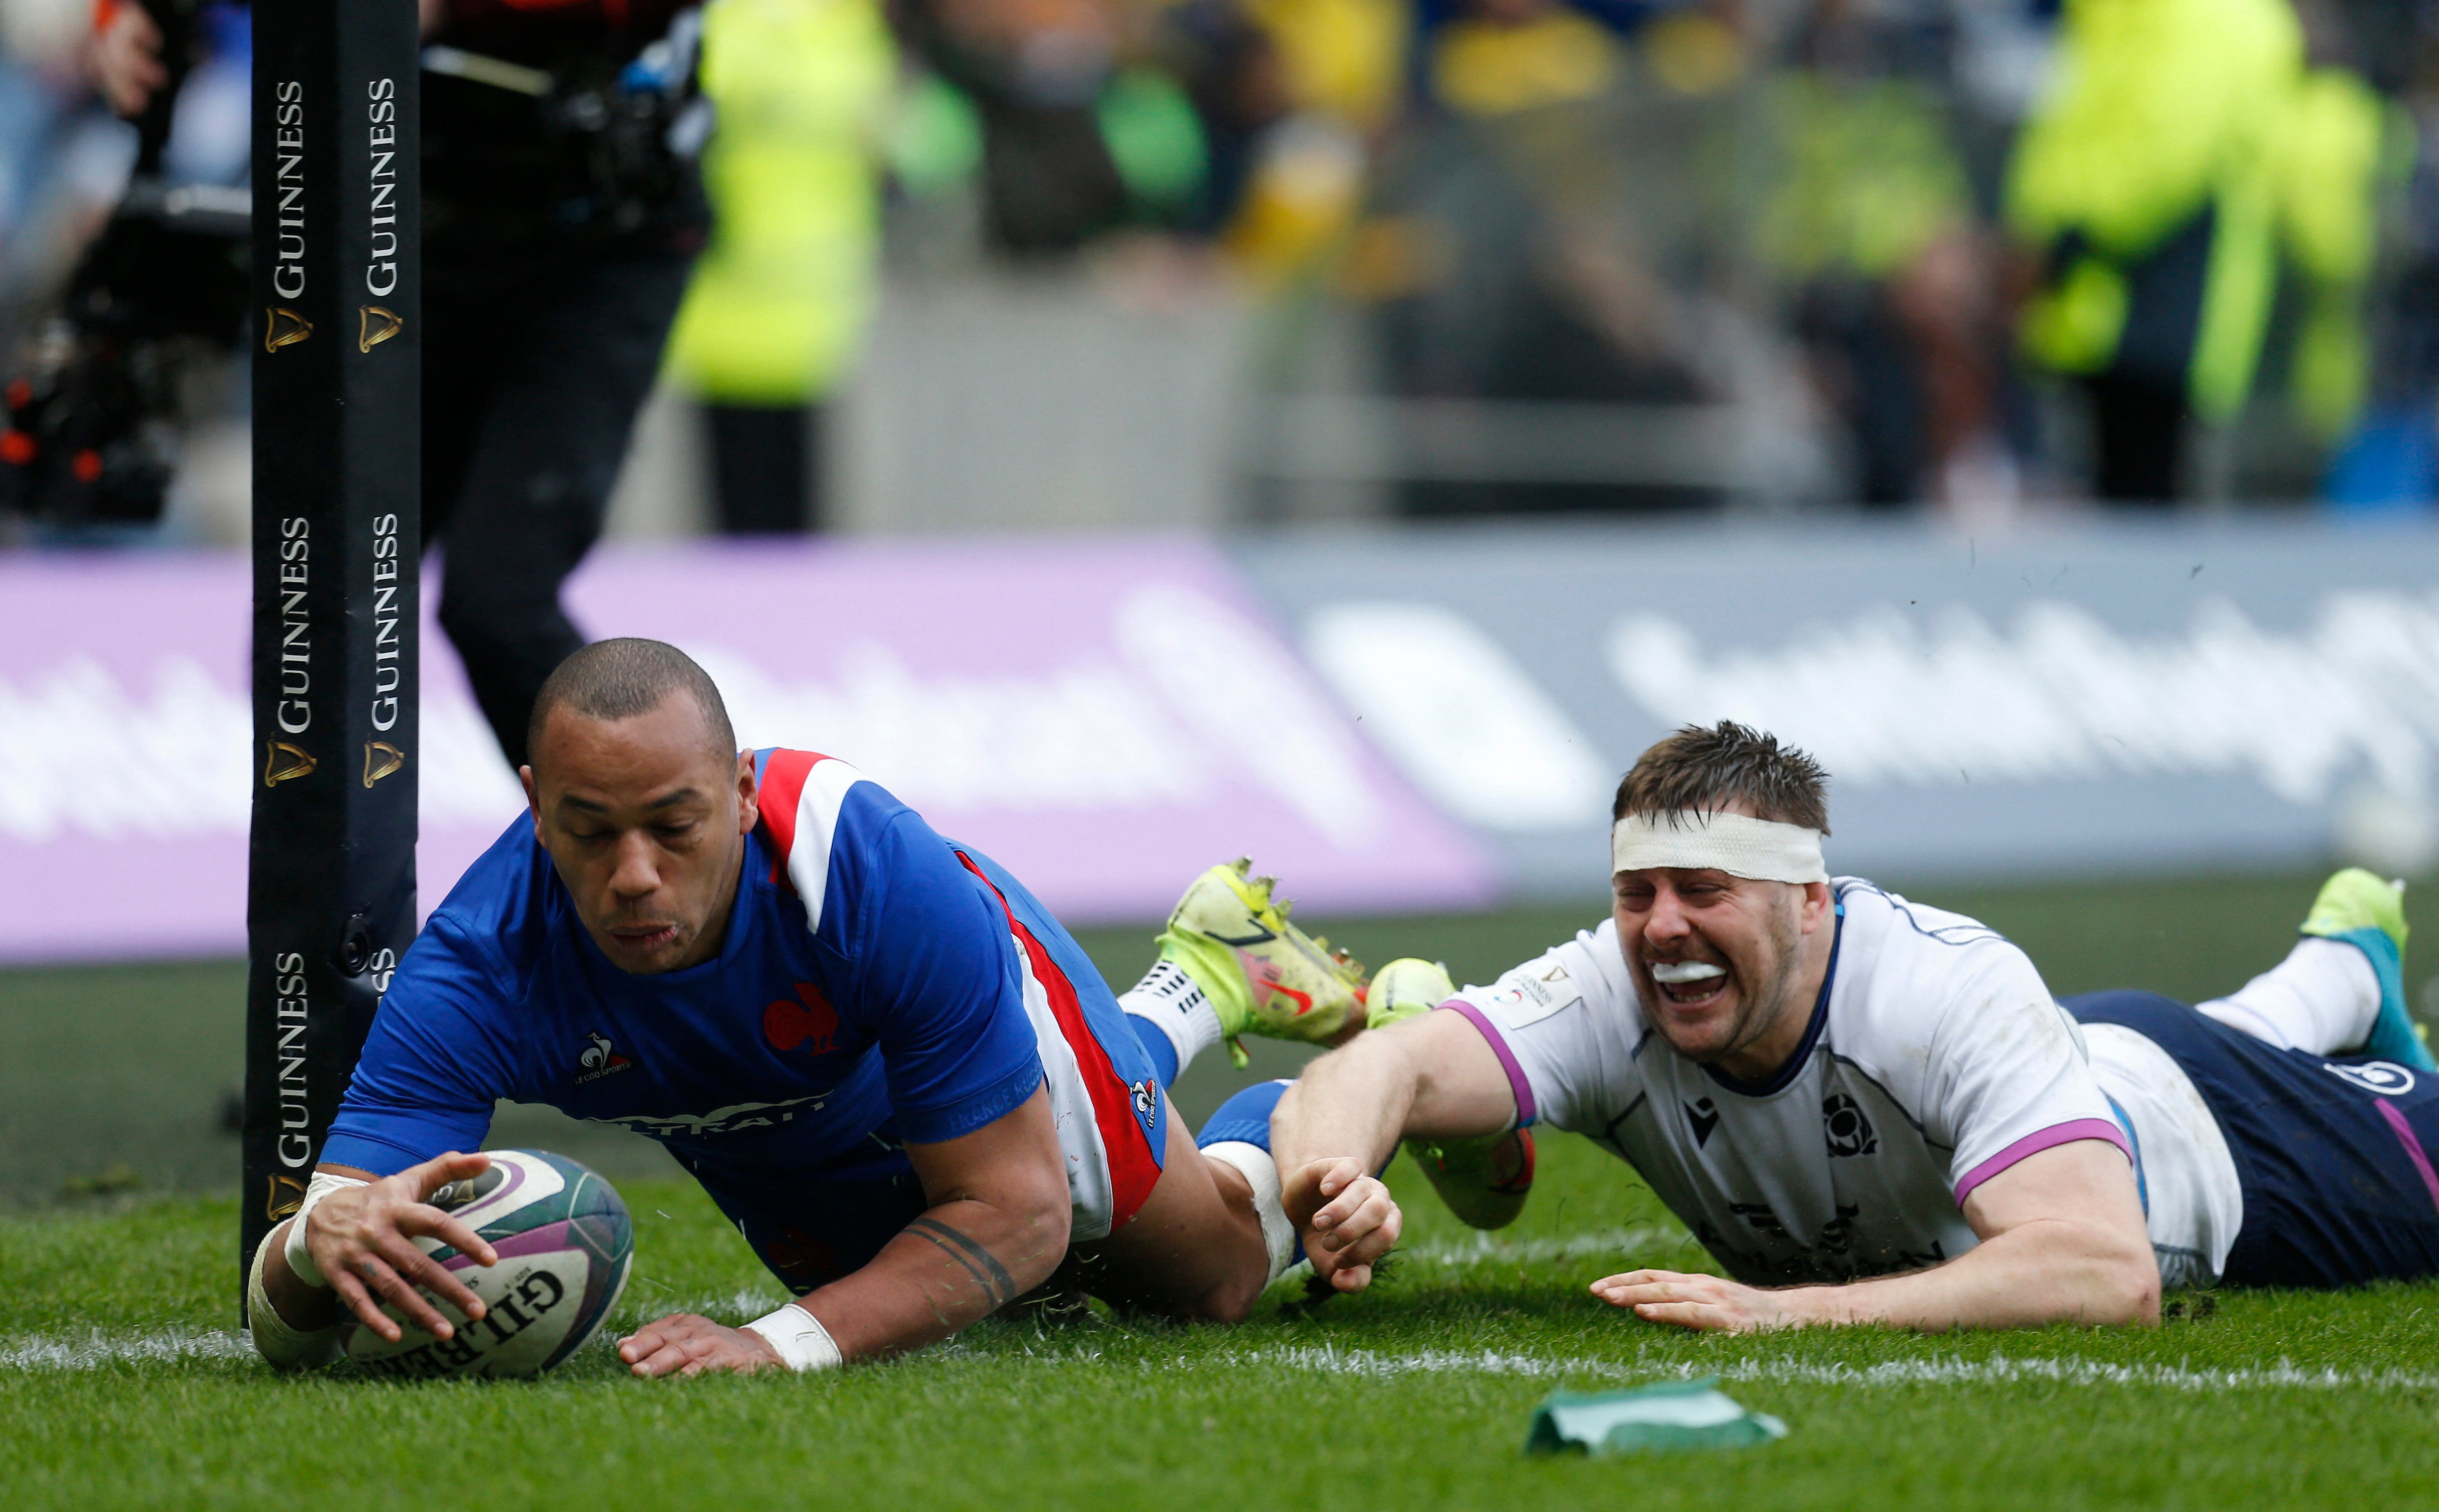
(97, 1349)
(1996, 1370)
(2000, 1369)
(745, 1301)
(1481, 1248)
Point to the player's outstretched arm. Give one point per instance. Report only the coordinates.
(2062, 1241)
(996, 1228)
(1433, 1075)
(360, 1239)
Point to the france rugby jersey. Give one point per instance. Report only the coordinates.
(868, 992)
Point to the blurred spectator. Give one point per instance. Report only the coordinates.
(1870, 224)
(1050, 112)
(2389, 460)
(1294, 98)
(130, 317)
(1890, 237)
(1552, 225)
(561, 213)
(780, 297)
(2187, 146)
(62, 159)
(2332, 146)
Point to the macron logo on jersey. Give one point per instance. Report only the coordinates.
(1704, 1115)
(800, 798)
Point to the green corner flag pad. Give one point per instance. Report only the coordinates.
(1673, 1414)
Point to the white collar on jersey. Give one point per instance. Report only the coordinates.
(1698, 840)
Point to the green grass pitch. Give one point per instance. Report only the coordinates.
(122, 1385)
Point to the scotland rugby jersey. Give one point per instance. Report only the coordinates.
(868, 991)
(1935, 1059)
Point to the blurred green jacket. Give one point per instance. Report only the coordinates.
(2338, 140)
(1869, 178)
(2163, 113)
(781, 295)
(2183, 152)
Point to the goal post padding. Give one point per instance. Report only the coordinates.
(336, 333)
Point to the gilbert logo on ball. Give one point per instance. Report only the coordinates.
(566, 1245)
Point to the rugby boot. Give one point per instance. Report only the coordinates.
(2358, 907)
(1484, 1179)
(1261, 973)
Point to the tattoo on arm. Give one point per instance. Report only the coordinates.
(992, 1277)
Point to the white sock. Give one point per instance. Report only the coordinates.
(1262, 1174)
(2320, 999)
(1169, 999)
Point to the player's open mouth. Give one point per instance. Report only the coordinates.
(646, 939)
(1689, 984)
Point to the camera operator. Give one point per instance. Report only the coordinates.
(561, 212)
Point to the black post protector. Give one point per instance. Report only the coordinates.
(336, 335)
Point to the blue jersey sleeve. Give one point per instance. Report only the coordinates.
(431, 1068)
(938, 979)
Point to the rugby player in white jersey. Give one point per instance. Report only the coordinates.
(1873, 1111)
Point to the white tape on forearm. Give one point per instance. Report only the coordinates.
(278, 1342)
(300, 1258)
(800, 1338)
(1261, 1173)
(1690, 840)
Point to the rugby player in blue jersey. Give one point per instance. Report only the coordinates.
(884, 1060)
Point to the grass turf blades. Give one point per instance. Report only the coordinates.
(120, 1385)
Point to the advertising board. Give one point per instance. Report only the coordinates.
(1106, 717)
(2105, 698)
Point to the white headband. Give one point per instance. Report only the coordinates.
(1690, 840)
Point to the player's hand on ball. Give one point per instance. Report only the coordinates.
(1348, 1218)
(1708, 1304)
(685, 1345)
(364, 1238)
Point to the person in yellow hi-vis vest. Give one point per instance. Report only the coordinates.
(2145, 184)
(781, 296)
(2337, 144)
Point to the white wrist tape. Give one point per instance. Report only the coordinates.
(295, 1348)
(1261, 1173)
(301, 1259)
(800, 1338)
(1692, 840)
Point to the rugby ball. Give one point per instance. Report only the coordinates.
(566, 1245)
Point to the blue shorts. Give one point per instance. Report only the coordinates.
(2331, 1151)
(810, 1229)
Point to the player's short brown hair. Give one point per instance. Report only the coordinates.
(1706, 770)
(620, 678)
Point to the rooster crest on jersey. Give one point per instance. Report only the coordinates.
(809, 1022)
(599, 1059)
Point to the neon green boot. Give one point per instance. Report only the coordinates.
(1262, 975)
(2367, 913)
(1484, 1179)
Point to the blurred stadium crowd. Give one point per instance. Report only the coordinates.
(1957, 255)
